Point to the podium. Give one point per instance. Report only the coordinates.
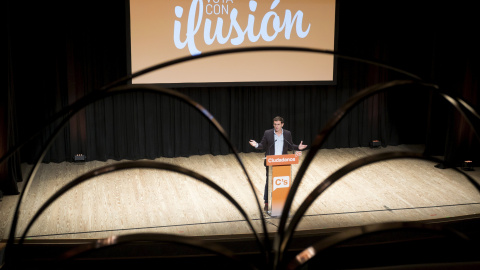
(279, 181)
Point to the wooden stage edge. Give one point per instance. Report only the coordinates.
(40, 253)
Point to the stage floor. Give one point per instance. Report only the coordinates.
(148, 200)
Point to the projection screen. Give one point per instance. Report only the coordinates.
(161, 31)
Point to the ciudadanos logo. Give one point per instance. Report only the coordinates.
(236, 22)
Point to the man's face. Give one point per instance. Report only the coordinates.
(277, 125)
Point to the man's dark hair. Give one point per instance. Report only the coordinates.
(278, 118)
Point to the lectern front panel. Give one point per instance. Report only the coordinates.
(281, 182)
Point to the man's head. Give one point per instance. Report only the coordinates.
(278, 118)
(278, 123)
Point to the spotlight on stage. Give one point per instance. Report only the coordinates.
(467, 165)
(375, 144)
(79, 158)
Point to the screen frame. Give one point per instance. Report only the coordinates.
(230, 84)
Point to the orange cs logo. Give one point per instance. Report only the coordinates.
(281, 182)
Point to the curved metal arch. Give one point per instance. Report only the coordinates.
(338, 116)
(152, 237)
(67, 110)
(321, 138)
(467, 111)
(63, 112)
(353, 233)
(327, 130)
(135, 165)
(337, 175)
(74, 108)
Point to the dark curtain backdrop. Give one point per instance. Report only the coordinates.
(150, 125)
(10, 170)
(61, 52)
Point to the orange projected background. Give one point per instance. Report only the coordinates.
(167, 30)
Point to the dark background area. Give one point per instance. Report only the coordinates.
(58, 53)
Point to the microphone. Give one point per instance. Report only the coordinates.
(293, 148)
(271, 147)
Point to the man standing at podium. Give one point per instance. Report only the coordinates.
(276, 141)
